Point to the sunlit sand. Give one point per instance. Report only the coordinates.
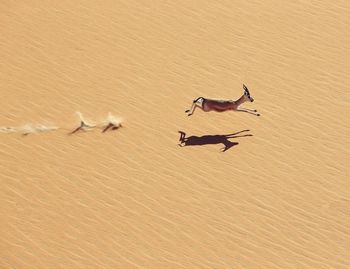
(214, 190)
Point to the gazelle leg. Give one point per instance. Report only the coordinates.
(182, 139)
(242, 110)
(188, 110)
(182, 136)
(251, 110)
(229, 135)
(192, 110)
(237, 136)
(228, 144)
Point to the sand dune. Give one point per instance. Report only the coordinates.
(134, 198)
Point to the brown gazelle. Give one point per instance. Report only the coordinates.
(223, 105)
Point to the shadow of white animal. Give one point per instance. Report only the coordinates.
(223, 105)
(83, 126)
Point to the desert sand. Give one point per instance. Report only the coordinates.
(132, 197)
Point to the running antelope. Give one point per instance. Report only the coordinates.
(223, 105)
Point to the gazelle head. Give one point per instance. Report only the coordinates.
(247, 96)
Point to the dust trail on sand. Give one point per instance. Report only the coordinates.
(86, 122)
(7, 130)
(36, 128)
(28, 128)
(111, 122)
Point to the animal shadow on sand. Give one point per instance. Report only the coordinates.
(211, 139)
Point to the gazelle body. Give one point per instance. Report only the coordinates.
(222, 105)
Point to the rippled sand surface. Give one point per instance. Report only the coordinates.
(133, 198)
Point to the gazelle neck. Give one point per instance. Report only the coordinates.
(240, 101)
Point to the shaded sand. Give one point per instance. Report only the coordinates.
(133, 198)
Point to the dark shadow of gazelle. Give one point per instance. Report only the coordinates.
(210, 139)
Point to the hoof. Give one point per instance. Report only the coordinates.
(258, 115)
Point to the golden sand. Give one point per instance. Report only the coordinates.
(133, 198)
